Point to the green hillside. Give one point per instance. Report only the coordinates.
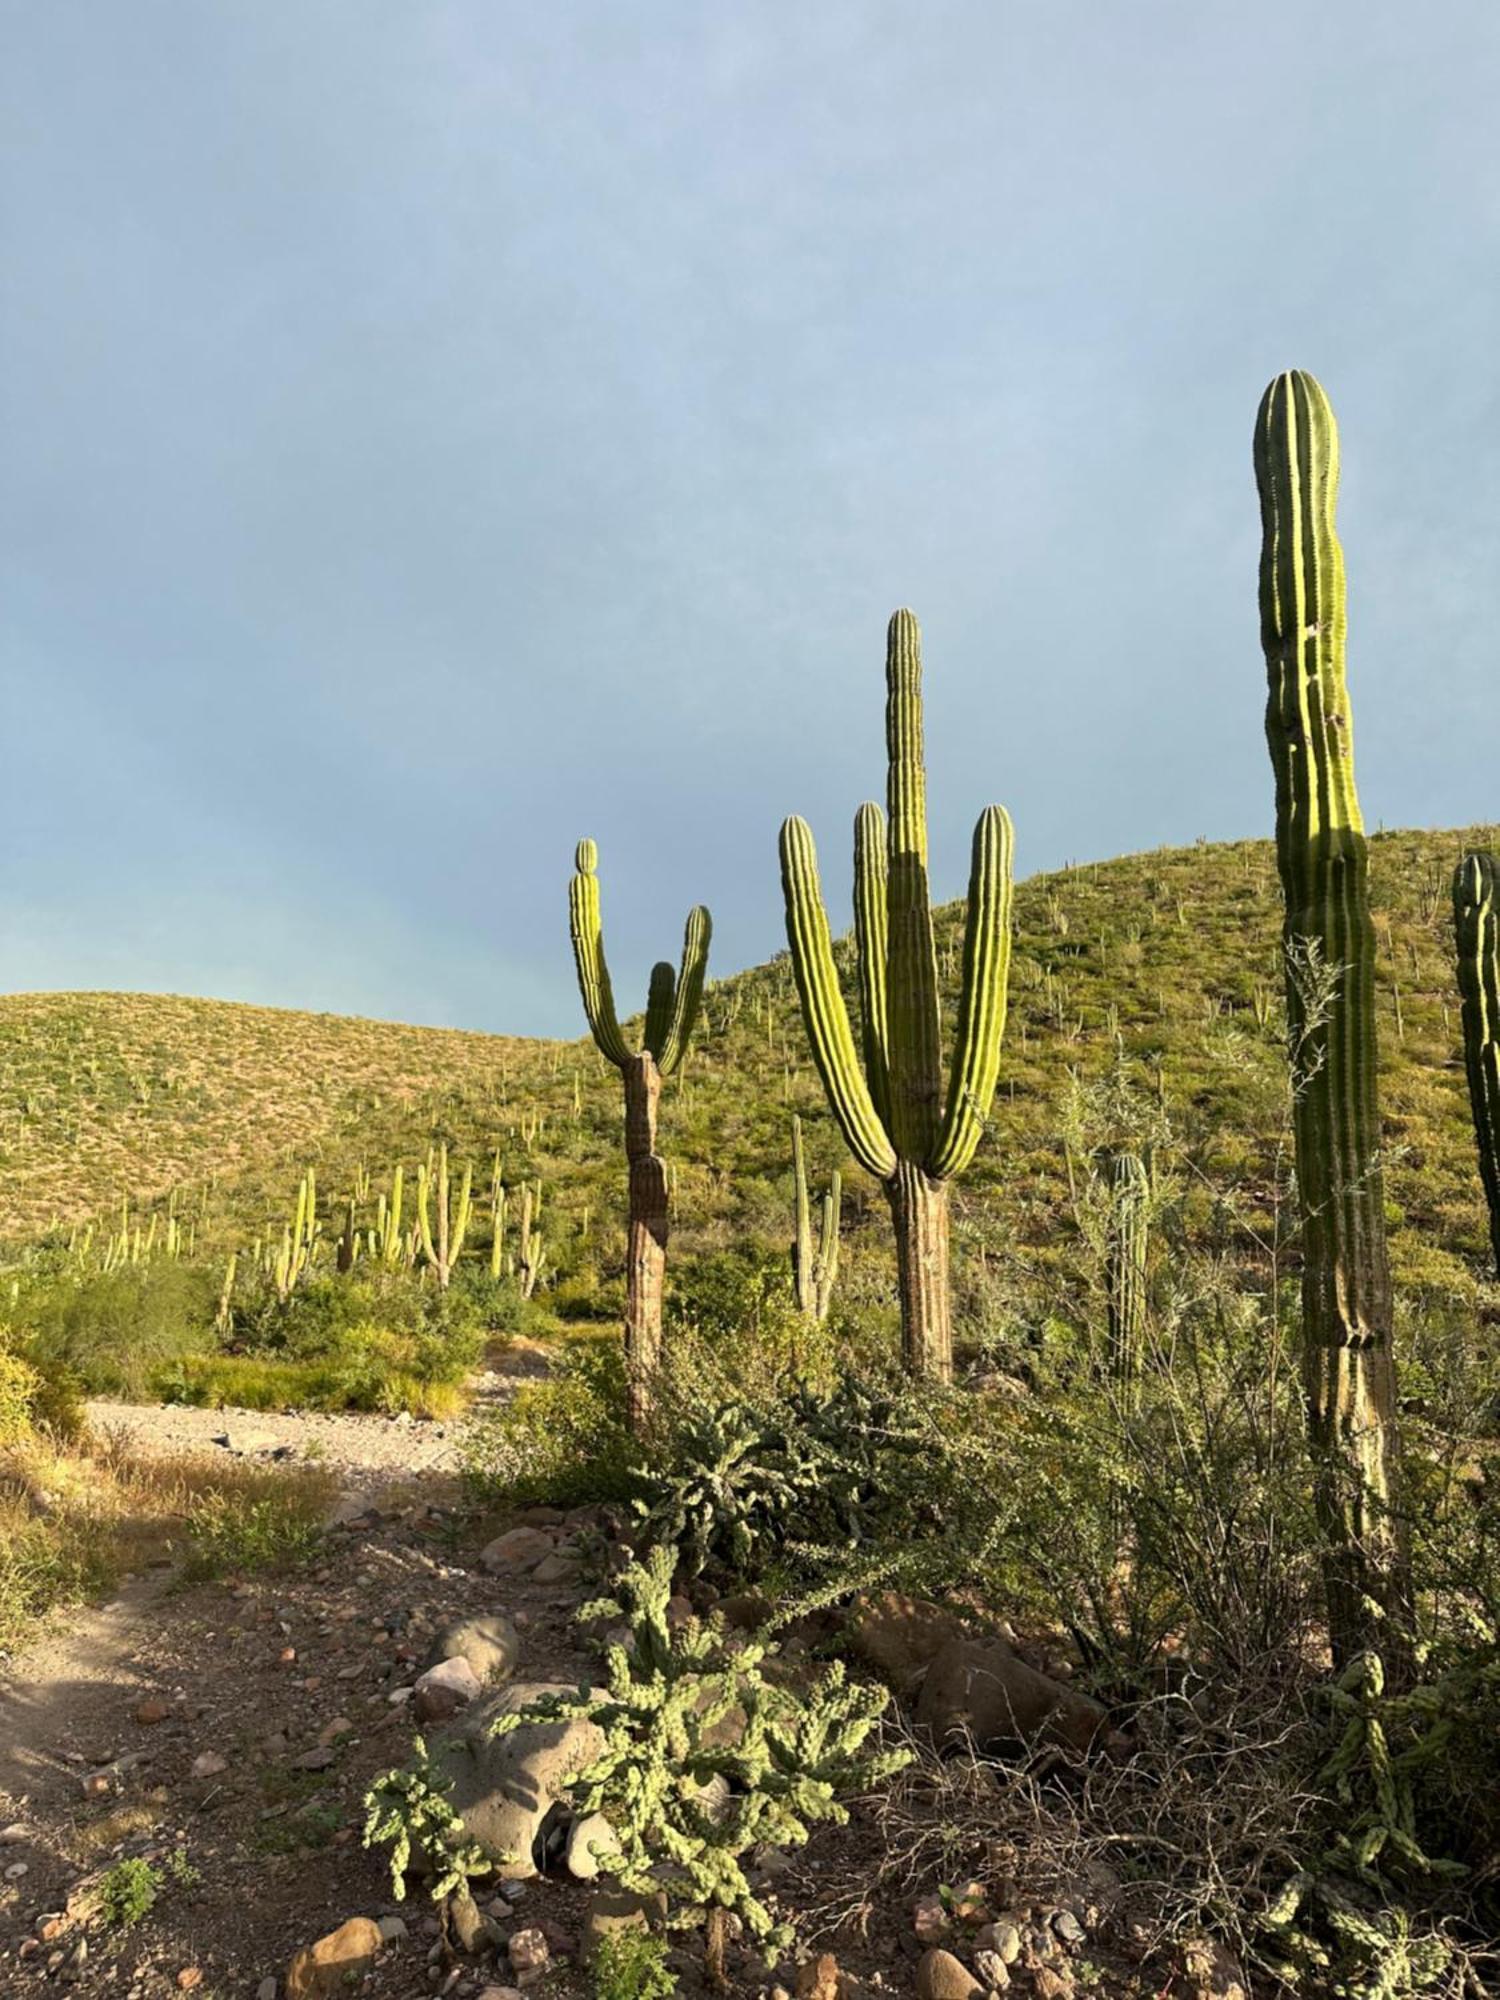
(1169, 959)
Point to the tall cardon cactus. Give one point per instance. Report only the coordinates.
(890, 1106)
(671, 1015)
(1476, 912)
(1329, 946)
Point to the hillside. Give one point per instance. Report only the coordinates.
(1170, 957)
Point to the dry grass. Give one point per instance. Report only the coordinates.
(74, 1519)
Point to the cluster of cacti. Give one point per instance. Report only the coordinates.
(1476, 911)
(442, 1217)
(672, 1010)
(1329, 944)
(526, 1262)
(891, 1107)
(815, 1267)
(290, 1260)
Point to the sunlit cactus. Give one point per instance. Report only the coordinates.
(888, 1094)
(1129, 1225)
(815, 1266)
(1476, 911)
(671, 1014)
(442, 1222)
(1329, 948)
(292, 1260)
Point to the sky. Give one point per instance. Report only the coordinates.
(434, 430)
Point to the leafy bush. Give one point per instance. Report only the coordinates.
(234, 1534)
(114, 1331)
(128, 1892)
(561, 1440)
(19, 1388)
(632, 1965)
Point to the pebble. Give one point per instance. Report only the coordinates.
(208, 1764)
(392, 1929)
(267, 1988)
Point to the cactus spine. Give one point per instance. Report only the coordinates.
(442, 1245)
(1476, 906)
(671, 1015)
(814, 1271)
(890, 1105)
(1329, 944)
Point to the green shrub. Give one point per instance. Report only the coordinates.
(234, 1534)
(128, 1892)
(632, 1965)
(114, 1331)
(20, 1385)
(561, 1440)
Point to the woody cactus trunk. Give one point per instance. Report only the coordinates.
(1476, 907)
(890, 1106)
(1329, 946)
(671, 1015)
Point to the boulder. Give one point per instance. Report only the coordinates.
(517, 1549)
(504, 1787)
(983, 1691)
(900, 1636)
(592, 1846)
(941, 1976)
(320, 1970)
(489, 1642)
(612, 1911)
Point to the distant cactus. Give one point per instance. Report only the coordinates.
(671, 1015)
(814, 1271)
(1476, 913)
(389, 1243)
(890, 1106)
(1329, 945)
(291, 1262)
(442, 1238)
(531, 1255)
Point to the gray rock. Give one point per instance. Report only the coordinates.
(591, 1847)
(444, 1689)
(503, 1787)
(987, 1694)
(517, 1549)
(392, 1929)
(490, 1644)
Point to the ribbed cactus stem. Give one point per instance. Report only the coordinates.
(1129, 1215)
(815, 1267)
(1329, 944)
(890, 1107)
(1476, 913)
(443, 1238)
(497, 1229)
(672, 1010)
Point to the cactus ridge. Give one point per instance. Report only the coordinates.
(1476, 909)
(890, 1108)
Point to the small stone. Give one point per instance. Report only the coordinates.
(1067, 1927)
(97, 1785)
(16, 1870)
(315, 1760)
(322, 1969)
(267, 1988)
(152, 1711)
(1002, 1938)
(500, 1993)
(208, 1764)
(818, 1979)
(993, 1970)
(941, 1976)
(14, 1834)
(529, 1952)
(489, 1643)
(930, 1919)
(444, 1689)
(189, 1977)
(518, 1548)
(559, 1567)
(330, 1733)
(392, 1929)
(592, 1846)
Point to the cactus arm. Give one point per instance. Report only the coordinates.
(660, 997)
(693, 971)
(588, 955)
(914, 1024)
(871, 941)
(1476, 908)
(823, 1010)
(981, 1011)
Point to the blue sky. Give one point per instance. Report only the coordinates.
(436, 430)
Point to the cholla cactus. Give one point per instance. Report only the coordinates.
(1329, 945)
(442, 1244)
(671, 1015)
(891, 1107)
(1476, 912)
(791, 1756)
(814, 1270)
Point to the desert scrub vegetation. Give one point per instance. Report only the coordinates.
(77, 1514)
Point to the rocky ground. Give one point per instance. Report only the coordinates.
(225, 1733)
